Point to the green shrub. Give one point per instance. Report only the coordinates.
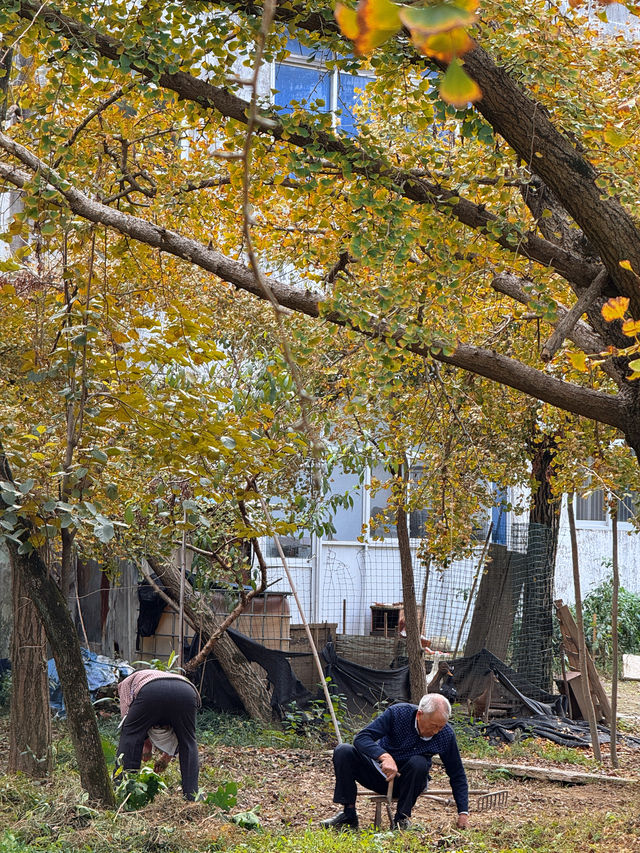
(597, 608)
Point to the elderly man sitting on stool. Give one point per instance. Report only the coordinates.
(399, 745)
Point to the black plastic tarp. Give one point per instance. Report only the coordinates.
(470, 679)
(560, 730)
(365, 689)
(217, 693)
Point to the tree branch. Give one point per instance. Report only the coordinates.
(410, 184)
(573, 398)
(567, 323)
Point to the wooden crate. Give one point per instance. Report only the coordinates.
(305, 667)
(166, 638)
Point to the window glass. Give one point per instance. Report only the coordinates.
(347, 520)
(627, 507)
(296, 84)
(319, 55)
(350, 90)
(590, 508)
(499, 516)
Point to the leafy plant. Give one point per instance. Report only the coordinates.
(224, 797)
(315, 718)
(597, 608)
(248, 819)
(138, 788)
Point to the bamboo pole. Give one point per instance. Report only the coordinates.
(582, 645)
(183, 575)
(613, 746)
(303, 617)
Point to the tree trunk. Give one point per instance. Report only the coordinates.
(30, 727)
(69, 571)
(250, 688)
(417, 674)
(63, 640)
(533, 656)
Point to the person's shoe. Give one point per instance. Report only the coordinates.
(401, 823)
(343, 820)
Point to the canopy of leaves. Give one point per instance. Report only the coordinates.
(138, 381)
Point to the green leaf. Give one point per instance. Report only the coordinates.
(457, 88)
(104, 531)
(224, 797)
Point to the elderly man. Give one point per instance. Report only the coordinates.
(399, 745)
(161, 705)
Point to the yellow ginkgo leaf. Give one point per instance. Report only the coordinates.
(626, 265)
(457, 88)
(631, 328)
(615, 308)
(347, 22)
(371, 24)
(578, 360)
(615, 139)
(443, 46)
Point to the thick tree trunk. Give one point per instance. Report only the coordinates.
(533, 656)
(63, 639)
(30, 727)
(417, 674)
(251, 689)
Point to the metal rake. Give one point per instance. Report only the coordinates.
(494, 800)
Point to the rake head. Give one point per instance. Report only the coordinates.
(496, 800)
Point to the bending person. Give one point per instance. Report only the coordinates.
(399, 745)
(150, 698)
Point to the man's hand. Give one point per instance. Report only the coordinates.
(463, 821)
(388, 766)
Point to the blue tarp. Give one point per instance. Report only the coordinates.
(101, 672)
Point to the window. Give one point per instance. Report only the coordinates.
(499, 516)
(305, 77)
(628, 508)
(590, 508)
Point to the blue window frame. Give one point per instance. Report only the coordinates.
(499, 516)
(296, 83)
(304, 77)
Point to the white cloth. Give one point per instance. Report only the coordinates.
(164, 738)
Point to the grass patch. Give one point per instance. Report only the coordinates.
(229, 730)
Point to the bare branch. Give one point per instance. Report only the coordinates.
(568, 322)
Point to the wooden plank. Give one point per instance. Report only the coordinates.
(548, 774)
(569, 631)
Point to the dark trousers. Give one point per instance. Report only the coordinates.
(352, 766)
(163, 702)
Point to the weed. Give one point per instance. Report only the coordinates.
(137, 788)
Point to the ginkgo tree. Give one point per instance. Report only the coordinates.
(474, 226)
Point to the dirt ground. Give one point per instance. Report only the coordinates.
(297, 786)
(292, 790)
